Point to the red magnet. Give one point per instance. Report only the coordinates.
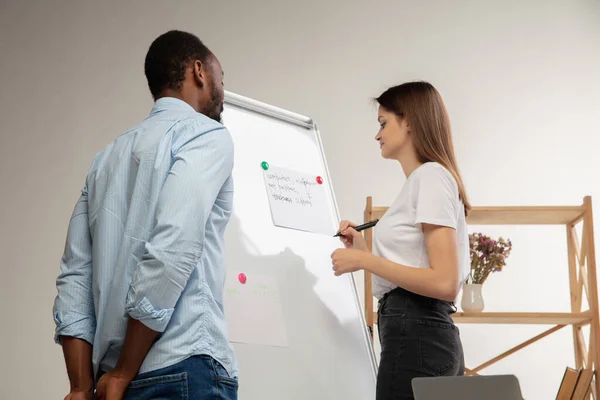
(242, 278)
(319, 180)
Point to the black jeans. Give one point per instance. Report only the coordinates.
(418, 339)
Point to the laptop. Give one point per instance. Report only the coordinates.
(479, 387)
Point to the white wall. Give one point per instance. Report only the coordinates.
(520, 80)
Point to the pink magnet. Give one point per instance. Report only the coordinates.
(242, 278)
(319, 180)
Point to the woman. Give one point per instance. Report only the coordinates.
(420, 249)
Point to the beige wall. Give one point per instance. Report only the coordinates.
(520, 79)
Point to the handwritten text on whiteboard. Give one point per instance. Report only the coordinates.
(298, 201)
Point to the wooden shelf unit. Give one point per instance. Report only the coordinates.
(582, 280)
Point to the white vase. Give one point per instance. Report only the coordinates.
(472, 299)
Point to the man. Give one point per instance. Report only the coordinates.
(139, 302)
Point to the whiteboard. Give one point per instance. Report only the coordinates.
(326, 351)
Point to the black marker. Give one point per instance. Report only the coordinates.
(361, 227)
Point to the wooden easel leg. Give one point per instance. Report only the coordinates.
(575, 293)
(594, 351)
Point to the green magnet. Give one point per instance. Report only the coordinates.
(265, 165)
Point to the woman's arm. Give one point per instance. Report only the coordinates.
(441, 281)
(436, 214)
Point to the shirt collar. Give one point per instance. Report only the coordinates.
(170, 103)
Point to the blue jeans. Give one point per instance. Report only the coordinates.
(197, 378)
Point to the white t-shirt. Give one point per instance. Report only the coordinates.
(429, 195)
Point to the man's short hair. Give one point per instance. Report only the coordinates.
(168, 58)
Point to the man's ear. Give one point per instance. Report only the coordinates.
(199, 72)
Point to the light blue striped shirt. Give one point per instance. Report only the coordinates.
(146, 240)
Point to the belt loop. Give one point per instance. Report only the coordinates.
(384, 298)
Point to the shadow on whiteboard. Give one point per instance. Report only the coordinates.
(278, 319)
(278, 294)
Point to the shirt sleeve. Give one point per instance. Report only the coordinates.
(436, 197)
(202, 163)
(74, 304)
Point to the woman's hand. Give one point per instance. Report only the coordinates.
(350, 237)
(348, 260)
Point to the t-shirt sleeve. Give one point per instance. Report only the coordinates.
(436, 198)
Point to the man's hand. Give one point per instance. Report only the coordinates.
(77, 395)
(112, 386)
(138, 341)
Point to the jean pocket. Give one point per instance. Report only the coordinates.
(222, 375)
(438, 346)
(392, 312)
(164, 386)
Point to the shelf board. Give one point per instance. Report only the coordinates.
(524, 318)
(539, 318)
(529, 215)
(533, 215)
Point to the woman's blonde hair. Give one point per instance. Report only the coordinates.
(423, 107)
